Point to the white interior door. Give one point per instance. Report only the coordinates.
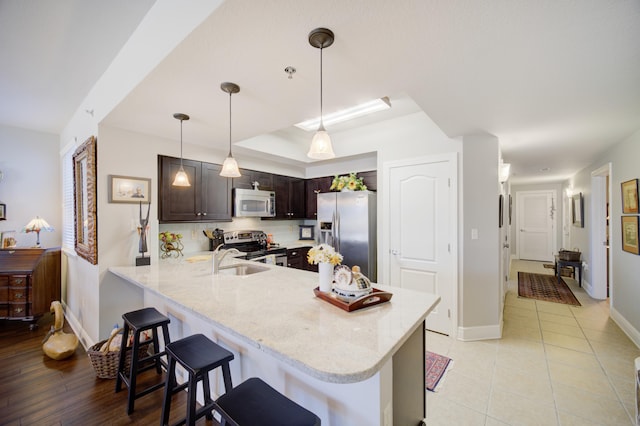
(536, 223)
(422, 224)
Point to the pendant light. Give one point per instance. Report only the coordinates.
(181, 178)
(230, 166)
(321, 148)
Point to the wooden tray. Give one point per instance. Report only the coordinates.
(374, 298)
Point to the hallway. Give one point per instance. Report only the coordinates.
(555, 365)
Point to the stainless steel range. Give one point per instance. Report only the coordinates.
(254, 243)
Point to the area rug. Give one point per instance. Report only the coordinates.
(545, 287)
(436, 365)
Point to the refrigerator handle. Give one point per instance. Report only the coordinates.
(337, 232)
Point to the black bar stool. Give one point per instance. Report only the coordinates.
(252, 403)
(198, 355)
(137, 322)
(255, 403)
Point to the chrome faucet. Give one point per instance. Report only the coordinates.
(219, 254)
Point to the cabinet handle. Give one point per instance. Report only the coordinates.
(19, 295)
(18, 281)
(18, 310)
(198, 214)
(204, 214)
(317, 191)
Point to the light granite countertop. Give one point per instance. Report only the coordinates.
(277, 311)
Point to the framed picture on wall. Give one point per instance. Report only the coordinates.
(577, 210)
(3, 211)
(630, 196)
(500, 210)
(127, 189)
(630, 234)
(9, 239)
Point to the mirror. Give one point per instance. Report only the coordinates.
(84, 186)
(577, 209)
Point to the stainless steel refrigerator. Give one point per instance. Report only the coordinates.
(347, 221)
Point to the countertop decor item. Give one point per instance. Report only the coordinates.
(142, 232)
(170, 244)
(350, 182)
(326, 258)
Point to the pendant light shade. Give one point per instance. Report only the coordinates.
(321, 148)
(181, 178)
(230, 165)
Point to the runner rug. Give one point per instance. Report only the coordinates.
(545, 287)
(436, 365)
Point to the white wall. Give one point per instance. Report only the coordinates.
(31, 184)
(480, 261)
(625, 270)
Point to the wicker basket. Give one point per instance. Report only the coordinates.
(105, 363)
(569, 256)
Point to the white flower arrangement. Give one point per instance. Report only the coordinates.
(323, 253)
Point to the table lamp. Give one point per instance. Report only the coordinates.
(36, 225)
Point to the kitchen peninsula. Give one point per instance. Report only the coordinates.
(361, 367)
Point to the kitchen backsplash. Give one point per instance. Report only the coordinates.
(194, 239)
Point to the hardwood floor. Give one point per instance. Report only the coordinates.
(36, 390)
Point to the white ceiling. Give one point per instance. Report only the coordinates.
(556, 82)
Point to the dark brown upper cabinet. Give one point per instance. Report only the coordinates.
(207, 199)
(313, 187)
(290, 197)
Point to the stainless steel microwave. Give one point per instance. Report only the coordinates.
(253, 203)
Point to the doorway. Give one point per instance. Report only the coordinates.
(598, 286)
(536, 224)
(421, 206)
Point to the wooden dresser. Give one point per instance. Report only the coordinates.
(30, 279)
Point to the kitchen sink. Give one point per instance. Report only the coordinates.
(242, 269)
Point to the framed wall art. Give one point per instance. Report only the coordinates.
(577, 210)
(630, 234)
(500, 210)
(9, 239)
(127, 189)
(3, 211)
(306, 232)
(630, 196)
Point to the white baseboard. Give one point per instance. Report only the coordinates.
(83, 336)
(626, 326)
(485, 332)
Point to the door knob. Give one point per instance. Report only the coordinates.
(505, 245)
(395, 252)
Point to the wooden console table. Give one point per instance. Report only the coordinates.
(30, 279)
(575, 264)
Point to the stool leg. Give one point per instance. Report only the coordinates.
(191, 407)
(206, 390)
(156, 349)
(226, 375)
(165, 339)
(133, 374)
(168, 392)
(123, 354)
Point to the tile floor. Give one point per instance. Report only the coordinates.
(555, 365)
